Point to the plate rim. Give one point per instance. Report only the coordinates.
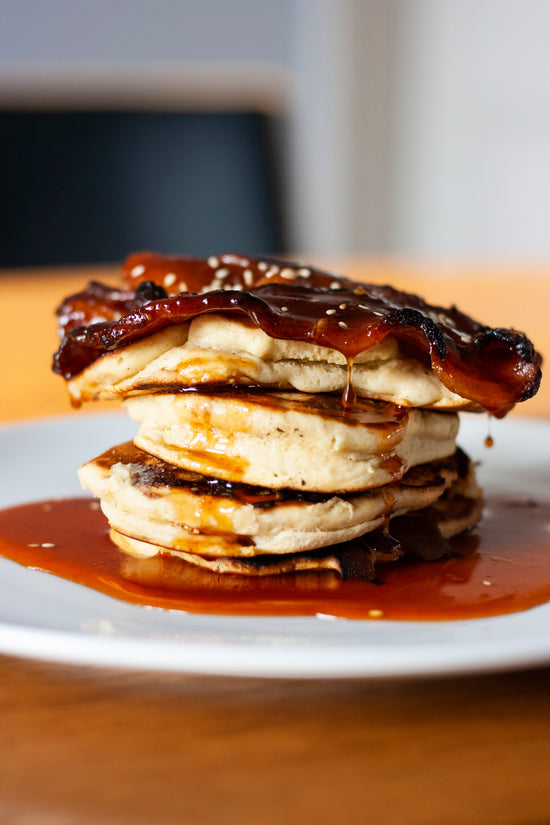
(231, 659)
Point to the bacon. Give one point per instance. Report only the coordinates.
(492, 368)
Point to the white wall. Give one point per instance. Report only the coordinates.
(415, 127)
(472, 129)
(148, 30)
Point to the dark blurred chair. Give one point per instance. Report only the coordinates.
(90, 187)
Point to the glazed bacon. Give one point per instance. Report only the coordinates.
(492, 368)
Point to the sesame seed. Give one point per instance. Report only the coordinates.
(248, 277)
(330, 312)
(222, 273)
(170, 279)
(262, 266)
(343, 306)
(34, 544)
(284, 309)
(487, 583)
(236, 287)
(271, 272)
(47, 544)
(304, 272)
(369, 309)
(287, 273)
(137, 271)
(375, 613)
(182, 286)
(213, 262)
(342, 324)
(335, 285)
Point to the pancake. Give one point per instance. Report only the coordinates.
(215, 351)
(154, 502)
(295, 440)
(423, 534)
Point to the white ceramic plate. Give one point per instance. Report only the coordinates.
(44, 617)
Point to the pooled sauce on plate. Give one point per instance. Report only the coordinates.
(503, 566)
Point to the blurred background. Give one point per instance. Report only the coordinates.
(405, 128)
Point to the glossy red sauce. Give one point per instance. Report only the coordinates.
(502, 567)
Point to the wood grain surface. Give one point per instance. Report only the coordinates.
(90, 745)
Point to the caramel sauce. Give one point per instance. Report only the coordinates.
(502, 567)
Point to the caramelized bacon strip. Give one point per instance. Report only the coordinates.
(494, 368)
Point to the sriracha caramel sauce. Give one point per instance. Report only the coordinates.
(503, 566)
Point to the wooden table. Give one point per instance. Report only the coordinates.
(88, 745)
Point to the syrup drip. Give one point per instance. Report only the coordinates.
(349, 396)
(488, 441)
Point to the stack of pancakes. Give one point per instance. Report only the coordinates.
(288, 419)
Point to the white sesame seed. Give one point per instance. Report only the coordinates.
(335, 285)
(369, 309)
(284, 309)
(34, 544)
(287, 273)
(487, 583)
(262, 266)
(374, 613)
(304, 272)
(271, 272)
(343, 306)
(248, 277)
(236, 287)
(222, 273)
(170, 279)
(137, 271)
(47, 544)
(342, 324)
(182, 286)
(330, 312)
(213, 262)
